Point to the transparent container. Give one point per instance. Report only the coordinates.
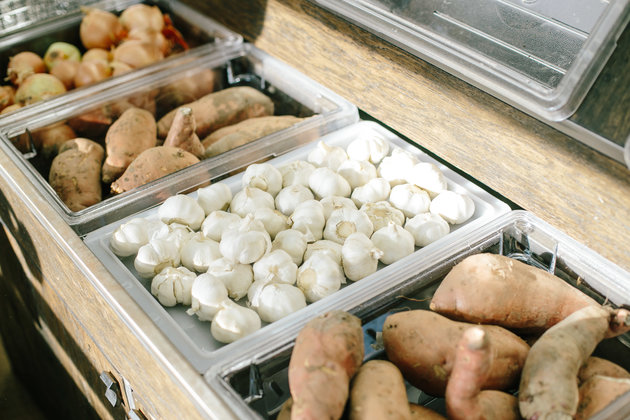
(541, 57)
(192, 337)
(244, 65)
(255, 382)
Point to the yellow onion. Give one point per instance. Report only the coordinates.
(96, 54)
(142, 16)
(37, 87)
(24, 64)
(153, 37)
(58, 51)
(92, 71)
(66, 70)
(137, 53)
(7, 96)
(100, 29)
(10, 108)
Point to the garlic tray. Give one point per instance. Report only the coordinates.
(255, 254)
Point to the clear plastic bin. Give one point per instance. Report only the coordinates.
(192, 337)
(255, 382)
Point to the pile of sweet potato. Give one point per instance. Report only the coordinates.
(501, 340)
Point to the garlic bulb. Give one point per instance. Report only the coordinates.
(214, 197)
(155, 256)
(131, 235)
(396, 166)
(324, 155)
(334, 202)
(324, 182)
(173, 285)
(427, 228)
(263, 176)
(208, 296)
(217, 222)
(359, 256)
(394, 241)
(410, 199)
(245, 243)
(428, 176)
(371, 147)
(289, 197)
(331, 249)
(277, 267)
(309, 219)
(236, 277)
(249, 199)
(344, 222)
(374, 190)
(357, 172)
(233, 322)
(319, 276)
(273, 221)
(454, 207)
(296, 173)
(175, 232)
(198, 252)
(182, 209)
(381, 213)
(293, 242)
(276, 300)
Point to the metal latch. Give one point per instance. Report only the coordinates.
(112, 389)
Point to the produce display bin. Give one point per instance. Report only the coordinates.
(541, 57)
(192, 337)
(254, 381)
(243, 65)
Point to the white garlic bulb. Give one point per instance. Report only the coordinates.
(233, 322)
(236, 277)
(308, 218)
(454, 207)
(263, 176)
(427, 228)
(357, 172)
(296, 172)
(344, 222)
(246, 243)
(175, 232)
(410, 199)
(127, 239)
(217, 222)
(208, 296)
(289, 197)
(372, 147)
(428, 176)
(293, 242)
(381, 213)
(359, 256)
(324, 155)
(182, 209)
(273, 220)
(198, 252)
(277, 267)
(374, 190)
(334, 202)
(395, 242)
(324, 182)
(214, 197)
(155, 256)
(173, 285)
(396, 166)
(249, 199)
(319, 276)
(276, 300)
(331, 249)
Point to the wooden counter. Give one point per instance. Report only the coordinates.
(92, 324)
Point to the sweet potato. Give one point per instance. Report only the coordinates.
(465, 399)
(378, 392)
(494, 289)
(598, 392)
(221, 108)
(422, 344)
(182, 133)
(152, 164)
(419, 412)
(131, 134)
(187, 89)
(602, 367)
(232, 136)
(49, 139)
(75, 173)
(549, 383)
(328, 352)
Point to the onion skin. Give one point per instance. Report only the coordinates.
(92, 71)
(37, 87)
(7, 96)
(142, 16)
(100, 29)
(97, 54)
(66, 70)
(137, 54)
(59, 51)
(24, 64)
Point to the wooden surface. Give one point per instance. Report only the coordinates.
(566, 183)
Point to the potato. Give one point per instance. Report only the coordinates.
(598, 366)
(597, 393)
(182, 133)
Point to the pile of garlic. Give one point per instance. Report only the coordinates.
(290, 235)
